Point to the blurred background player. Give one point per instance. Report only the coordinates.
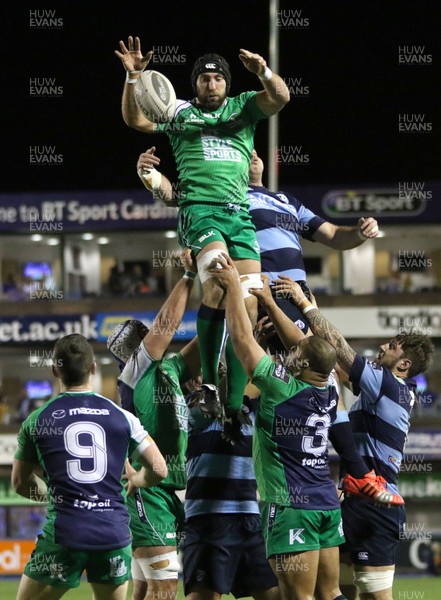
(212, 138)
(87, 526)
(150, 387)
(380, 419)
(301, 513)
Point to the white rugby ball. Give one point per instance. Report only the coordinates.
(155, 96)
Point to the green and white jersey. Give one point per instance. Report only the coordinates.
(151, 390)
(213, 149)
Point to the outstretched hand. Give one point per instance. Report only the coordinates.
(253, 62)
(368, 228)
(148, 159)
(287, 286)
(263, 294)
(131, 56)
(188, 260)
(224, 270)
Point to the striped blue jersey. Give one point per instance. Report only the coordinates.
(280, 221)
(380, 417)
(81, 441)
(220, 476)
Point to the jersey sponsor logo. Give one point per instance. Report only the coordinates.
(93, 503)
(59, 414)
(118, 567)
(205, 236)
(82, 410)
(295, 535)
(215, 148)
(300, 324)
(314, 462)
(279, 372)
(363, 556)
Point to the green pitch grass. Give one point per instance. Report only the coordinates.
(418, 588)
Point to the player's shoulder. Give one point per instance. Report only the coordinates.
(241, 98)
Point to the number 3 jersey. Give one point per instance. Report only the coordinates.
(81, 441)
(291, 439)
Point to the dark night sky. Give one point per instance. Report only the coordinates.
(346, 55)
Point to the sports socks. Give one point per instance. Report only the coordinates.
(210, 327)
(342, 438)
(236, 379)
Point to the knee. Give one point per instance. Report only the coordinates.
(212, 293)
(161, 568)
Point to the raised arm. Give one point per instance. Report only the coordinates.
(153, 180)
(341, 237)
(287, 331)
(323, 328)
(170, 316)
(275, 94)
(134, 63)
(239, 326)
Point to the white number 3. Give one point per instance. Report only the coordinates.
(322, 424)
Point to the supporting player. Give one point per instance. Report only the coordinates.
(82, 455)
(301, 514)
(150, 387)
(365, 482)
(281, 222)
(212, 139)
(224, 550)
(380, 419)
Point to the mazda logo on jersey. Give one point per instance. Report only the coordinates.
(59, 414)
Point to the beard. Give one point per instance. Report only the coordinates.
(212, 103)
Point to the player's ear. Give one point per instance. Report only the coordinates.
(55, 372)
(93, 368)
(404, 364)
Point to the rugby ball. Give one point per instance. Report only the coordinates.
(155, 96)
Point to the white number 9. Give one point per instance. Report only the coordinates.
(96, 450)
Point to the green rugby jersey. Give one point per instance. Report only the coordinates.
(151, 390)
(213, 149)
(290, 443)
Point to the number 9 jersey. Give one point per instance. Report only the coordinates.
(81, 441)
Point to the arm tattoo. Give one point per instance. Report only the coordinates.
(323, 328)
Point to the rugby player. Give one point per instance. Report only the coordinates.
(380, 419)
(212, 137)
(80, 441)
